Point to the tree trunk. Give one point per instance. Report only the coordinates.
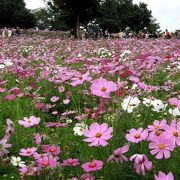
(77, 27)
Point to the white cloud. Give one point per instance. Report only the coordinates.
(165, 11)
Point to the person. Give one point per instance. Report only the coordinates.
(9, 33)
(17, 31)
(167, 34)
(4, 32)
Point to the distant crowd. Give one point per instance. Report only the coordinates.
(89, 33)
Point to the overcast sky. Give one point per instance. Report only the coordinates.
(167, 12)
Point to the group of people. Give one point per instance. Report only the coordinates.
(8, 32)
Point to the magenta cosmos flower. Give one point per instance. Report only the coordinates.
(102, 88)
(47, 162)
(162, 176)
(70, 162)
(161, 146)
(141, 164)
(172, 131)
(80, 79)
(54, 150)
(118, 154)
(28, 151)
(92, 166)
(97, 134)
(136, 136)
(28, 122)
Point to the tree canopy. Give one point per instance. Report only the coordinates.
(14, 13)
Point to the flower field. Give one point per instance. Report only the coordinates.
(91, 109)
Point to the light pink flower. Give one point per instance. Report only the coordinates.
(172, 131)
(66, 101)
(136, 136)
(54, 98)
(141, 164)
(174, 102)
(29, 122)
(3, 147)
(97, 134)
(38, 138)
(47, 162)
(61, 89)
(54, 150)
(70, 162)
(102, 88)
(80, 79)
(118, 154)
(28, 151)
(162, 176)
(92, 166)
(87, 177)
(10, 97)
(157, 125)
(56, 124)
(161, 146)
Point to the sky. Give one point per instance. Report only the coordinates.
(167, 12)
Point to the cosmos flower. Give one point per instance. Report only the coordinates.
(135, 136)
(97, 134)
(92, 166)
(162, 176)
(102, 88)
(29, 122)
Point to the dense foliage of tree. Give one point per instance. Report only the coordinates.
(14, 13)
(114, 15)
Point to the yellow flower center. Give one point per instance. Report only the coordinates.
(175, 134)
(28, 152)
(29, 121)
(103, 89)
(137, 136)
(161, 146)
(158, 133)
(81, 78)
(92, 165)
(156, 127)
(46, 163)
(98, 135)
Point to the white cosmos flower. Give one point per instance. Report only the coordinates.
(16, 161)
(129, 103)
(147, 102)
(79, 128)
(2, 66)
(158, 105)
(175, 112)
(8, 62)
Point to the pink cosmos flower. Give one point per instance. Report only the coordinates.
(66, 101)
(29, 170)
(97, 134)
(141, 164)
(61, 89)
(2, 90)
(161, 146)
(87, 177)
(136, 136)
(28, 151)
(92, 166)
(70, 162)
(56, 124)
(47, 162)
(3, 147)
(38, 138)
(102, 88)
(10, 97)
(80, 79)
(172, 131)
(54, 150)
(54, 98)
(162, 176)
(40, 105)
(174, 102)
(29, 122)
(118, 154)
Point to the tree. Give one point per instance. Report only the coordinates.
(75, 11)
(13, 13)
